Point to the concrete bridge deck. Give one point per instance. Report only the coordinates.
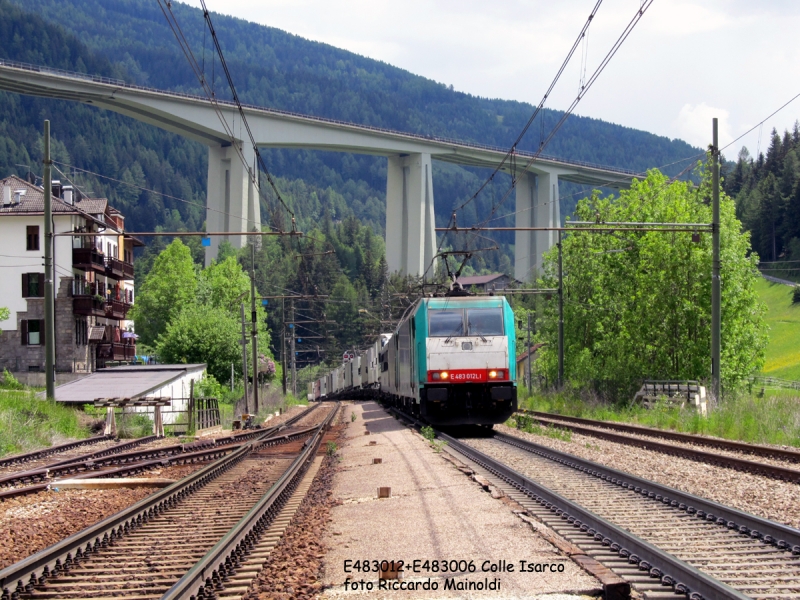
(410, 242)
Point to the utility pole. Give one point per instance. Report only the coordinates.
(528, 350)
(283, 344)
(244, 362)
(560, 314)
(255, 329)
(49, 308)
(716, 319)
(294, 362)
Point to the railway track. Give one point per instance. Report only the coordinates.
(38, 457)
(600, 429)
(188, 540)
(113, 462)
(664, 542)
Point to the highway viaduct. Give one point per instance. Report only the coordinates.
(233, 199)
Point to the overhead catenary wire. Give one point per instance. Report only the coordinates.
(511, 151)
(166, 8)
(144, 189)
(584, 89)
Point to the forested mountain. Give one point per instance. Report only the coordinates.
(767, 193)
(130, 40)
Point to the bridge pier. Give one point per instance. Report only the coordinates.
(410, 233)
(232, 200)
(537, 205)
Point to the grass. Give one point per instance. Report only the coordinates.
(783, 318)
(773, 419)
(27, 423)
(527, 424)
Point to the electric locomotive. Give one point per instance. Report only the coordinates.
(451, 361)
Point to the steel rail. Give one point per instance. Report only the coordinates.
(673, 572)
(213, 453)
(37, 454)
(35, 569)
(758, 450)
(111, 456)
(209, 573)
(770, 532)
(730, 462)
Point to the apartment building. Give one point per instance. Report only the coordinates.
(93, 281)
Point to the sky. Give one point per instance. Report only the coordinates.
(684, 63)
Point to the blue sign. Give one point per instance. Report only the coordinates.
(206, 241)
(264, 302)
(291, 325)
(299, 340)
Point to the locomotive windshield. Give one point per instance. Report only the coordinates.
(479, 321)
(485, 321)
(445, 323)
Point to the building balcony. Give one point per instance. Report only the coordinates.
(115, 309)
(114, 269)
(114, 351)
(89, 306)
(118, 269)
(88, 259)
(127, 270)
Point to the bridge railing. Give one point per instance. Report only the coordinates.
(417, 136)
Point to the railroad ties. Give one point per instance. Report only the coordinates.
(664, 542)
(192, 538)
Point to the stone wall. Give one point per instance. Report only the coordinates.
(70, 357)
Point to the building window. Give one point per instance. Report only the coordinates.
(33, 285)
(32, 242)
(32, 332)
(81, 332)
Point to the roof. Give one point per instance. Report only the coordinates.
(93, 206)
(33, 200)
(132, 381)
(480, 279)
(532, 350)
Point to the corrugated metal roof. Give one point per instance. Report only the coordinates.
(134, 381)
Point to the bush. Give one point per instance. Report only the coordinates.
(796, 295)
(9, 382)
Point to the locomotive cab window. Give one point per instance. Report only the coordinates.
(445, 323)
(485, 321)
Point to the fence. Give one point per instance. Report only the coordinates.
(773, 382)
(200, 413)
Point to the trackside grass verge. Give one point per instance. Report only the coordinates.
(773, 419)
(27, 423)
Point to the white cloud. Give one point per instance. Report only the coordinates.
(694, 124)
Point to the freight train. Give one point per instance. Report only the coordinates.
(450, 361)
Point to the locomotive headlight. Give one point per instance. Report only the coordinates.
(436, 376)
(445, 375)
(492, 374)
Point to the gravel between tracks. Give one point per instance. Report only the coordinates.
(435, 512)
(29, 524)
(758, 495)
(293, 569)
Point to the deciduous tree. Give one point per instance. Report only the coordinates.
(637, 305)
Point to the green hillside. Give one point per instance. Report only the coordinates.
(130, 40)
(783, 318)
